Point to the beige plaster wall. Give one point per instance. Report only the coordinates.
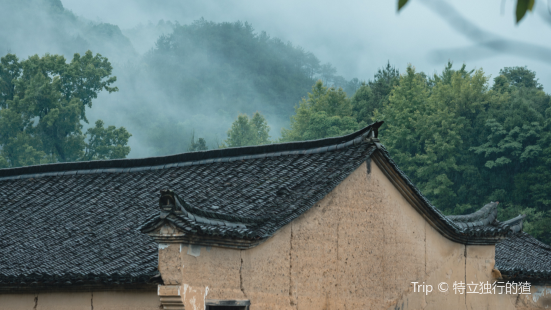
(116, 300)
(360, 247)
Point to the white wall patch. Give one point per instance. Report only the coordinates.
(194, 250)
(163, 246)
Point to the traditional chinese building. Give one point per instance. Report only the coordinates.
(325, 224)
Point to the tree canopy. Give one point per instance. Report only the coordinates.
(199, 145)
(245, 131)
(40, 26)
(326, 113)
(43, 101)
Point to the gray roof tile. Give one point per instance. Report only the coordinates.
(522, 257)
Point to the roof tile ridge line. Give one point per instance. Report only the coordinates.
(199, 157)
(215, 216)
(314, 150)
(515, 224)
(416, 190)
(538, 243)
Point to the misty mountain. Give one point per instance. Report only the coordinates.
(200, 77)
(143, 36)
(228, 66)
(29, 27)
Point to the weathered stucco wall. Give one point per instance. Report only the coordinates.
(360, 247)
(116, 300)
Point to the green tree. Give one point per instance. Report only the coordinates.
(327, 73)
(43, 101)
(260, 128)
(106, 143)
(422, 135)
(245, 131)
(514, 147)
(199, 145)
(373, 95)
(326, 113)
(520, 77)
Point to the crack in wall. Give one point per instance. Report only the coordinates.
(92, 301)
(292, 301)
(426, 275)
(465, 276)
(35, 302)
(383, 258)
(241, 274)
(338, 273)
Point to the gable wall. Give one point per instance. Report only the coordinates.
(358, 248)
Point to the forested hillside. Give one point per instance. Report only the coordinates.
(206, 74)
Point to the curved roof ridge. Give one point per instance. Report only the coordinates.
(515, 220)
(486, 215)
(485, 218)
(191, 158)
(516, 223)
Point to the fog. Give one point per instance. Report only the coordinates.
(356, 37)
(359, 36)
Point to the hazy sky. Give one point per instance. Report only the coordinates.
(358, 37)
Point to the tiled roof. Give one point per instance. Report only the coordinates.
(74, 223)
(78, 223)
(283, 188)
(523, 257)
(251, 199)
(75, 230)
(519, 256)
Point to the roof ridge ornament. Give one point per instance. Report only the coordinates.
(170, 204)
(486, 217)
(372, 136)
